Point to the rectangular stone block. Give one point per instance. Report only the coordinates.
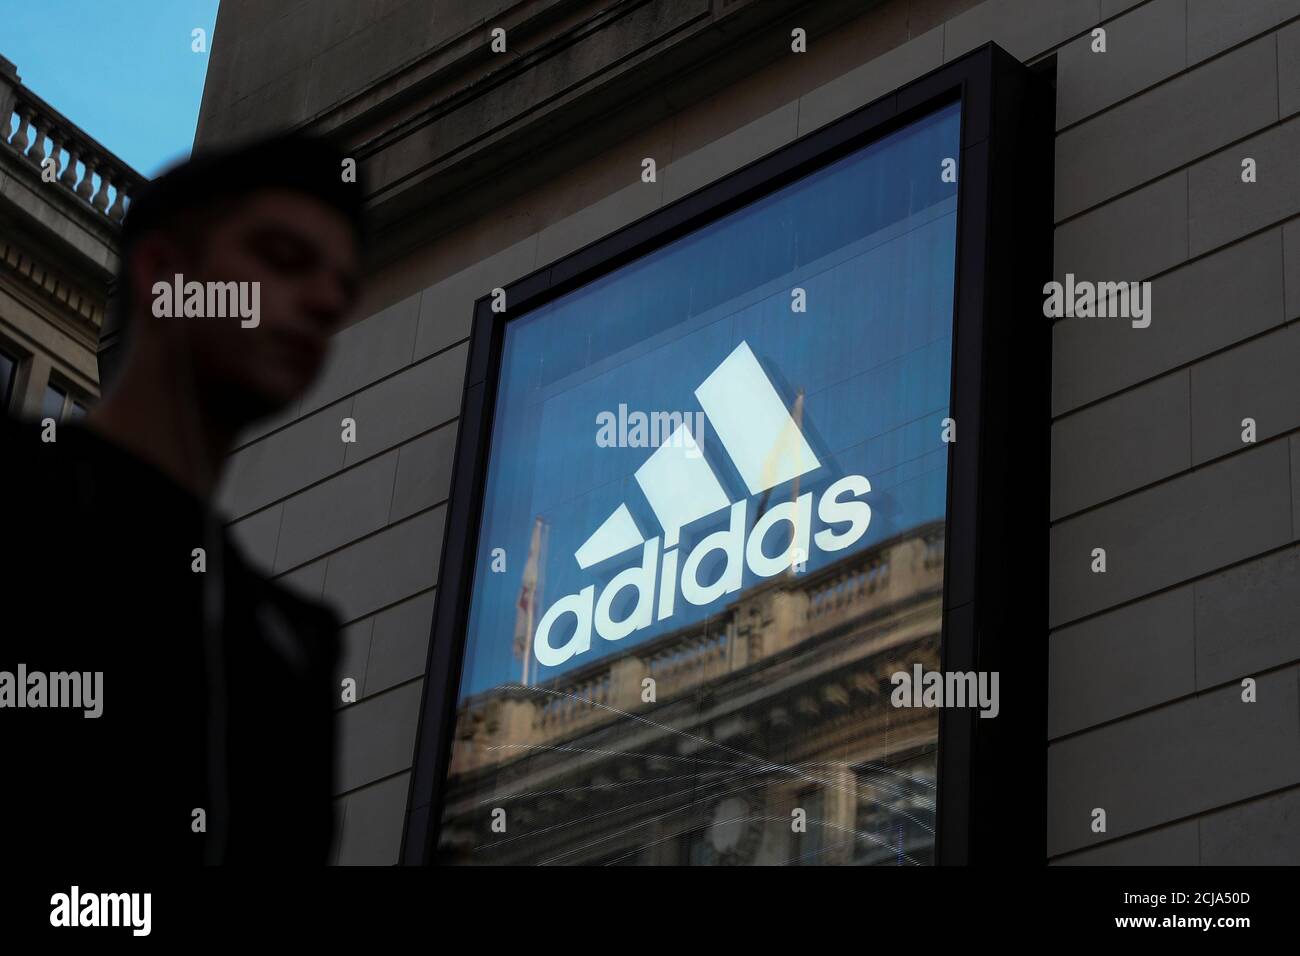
(1263, 832)
(608, 214)
(366, 352)
(284, 462)
(339, 806)
(1173, 762)
(728, 152)
(1295, 486)
(357, 59)
(372, 833)
(1258, 380)
(1198, 308)
(1110, 8)
(329, 515)
(354, 652)
(1291, 267)
(1174, 845)
(257, 536)
(925, 15)
(309, 580)
(387, 567)
(267, 110)
(1024, 28)
(1132, 237)
(1171, 124)
(1214, 26)
(400, 648)
(1120, 444)
(411, 402)
(1248, 619)
(277, 46)
(1222, 208)
(871, 80)
(376, 736)
(1288, 70)
(1143, 48)
(263, 427)
(447, 306)
(424, 472)
(1188, 526)
(1115, 664)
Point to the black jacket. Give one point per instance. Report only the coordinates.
(97, 575)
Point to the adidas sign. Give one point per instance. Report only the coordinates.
(768, 448)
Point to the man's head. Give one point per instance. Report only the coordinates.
(280, 220)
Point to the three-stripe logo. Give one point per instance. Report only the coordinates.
(767, 448)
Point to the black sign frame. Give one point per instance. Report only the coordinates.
(991, 787)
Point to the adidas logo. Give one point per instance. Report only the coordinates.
(768, 448)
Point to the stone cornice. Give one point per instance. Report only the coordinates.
(461, 128)
(60, 246)
(82, 311)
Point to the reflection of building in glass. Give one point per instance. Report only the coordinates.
(778, 703)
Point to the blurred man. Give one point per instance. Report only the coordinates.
(160, 701)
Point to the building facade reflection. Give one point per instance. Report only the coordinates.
(770, 738)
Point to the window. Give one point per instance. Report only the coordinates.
(60, 405)
(810, 835)
(52, 405)
(709, 504)
(895, 812)
(8, 372)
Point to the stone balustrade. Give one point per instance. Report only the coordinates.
(681, 662)
(694, 660)
(574, 703)
(848, 588)
(36, 131)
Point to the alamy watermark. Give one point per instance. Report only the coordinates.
(208, 300)
(74, 690)
(75, 908)
(1085, 300)
(636, 429)
(922, 688)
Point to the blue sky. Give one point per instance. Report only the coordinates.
(123, 70)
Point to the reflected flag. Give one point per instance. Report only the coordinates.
(526, 608)
(787, 443)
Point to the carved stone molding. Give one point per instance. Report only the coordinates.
(84, 310)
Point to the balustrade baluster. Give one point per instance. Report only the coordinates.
(36, 152)
(86, 185)
(68, 174)
(19, 139)
(118, 209)
(100, 201)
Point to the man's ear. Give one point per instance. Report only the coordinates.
(155, 258)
